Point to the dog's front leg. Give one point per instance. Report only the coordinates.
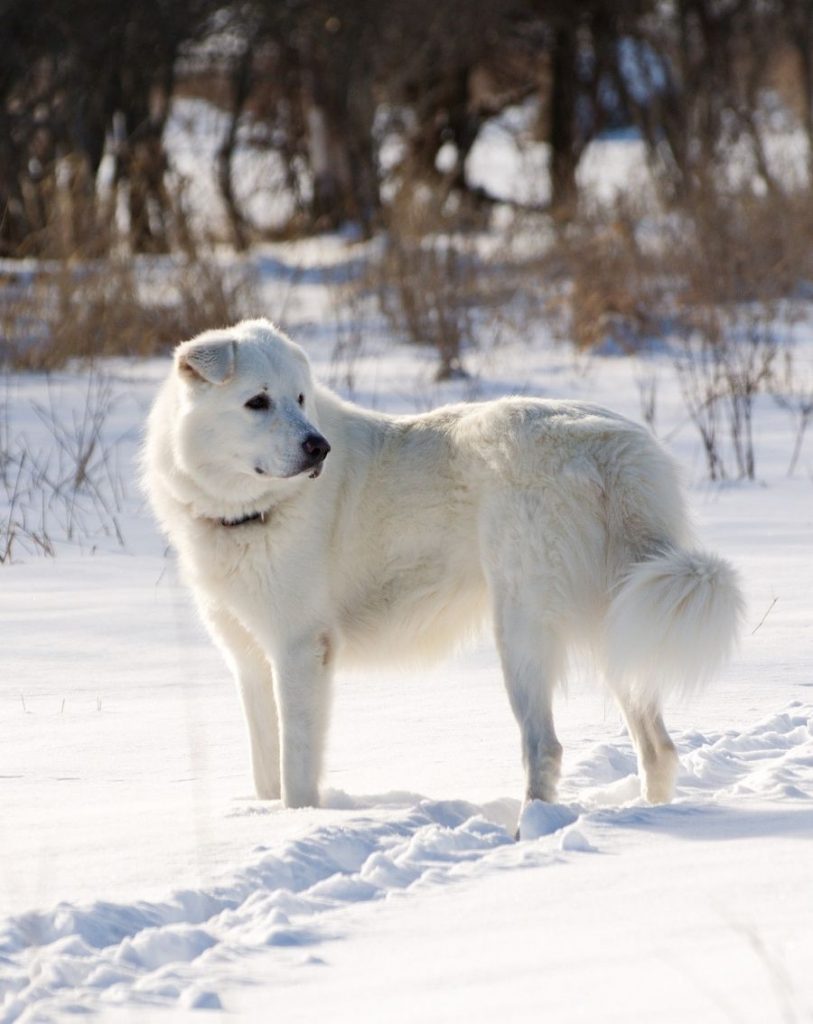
(252, 671)
(302, 677)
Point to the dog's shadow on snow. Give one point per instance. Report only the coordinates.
(714, 822)
(504, 812)
(683, 820)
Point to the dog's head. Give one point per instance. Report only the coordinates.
(247, 414)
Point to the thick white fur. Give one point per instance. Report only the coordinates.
(562, 521)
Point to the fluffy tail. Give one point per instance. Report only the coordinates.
(672, 622)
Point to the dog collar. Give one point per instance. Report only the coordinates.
(262, 516)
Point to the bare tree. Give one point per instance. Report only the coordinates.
(797, 18)
(68, 77)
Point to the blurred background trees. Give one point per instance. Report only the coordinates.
(364, 103)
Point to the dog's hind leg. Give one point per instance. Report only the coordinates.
(657, 758)
(252, 671)
(531, 656)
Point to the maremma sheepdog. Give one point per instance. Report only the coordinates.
(315, 533)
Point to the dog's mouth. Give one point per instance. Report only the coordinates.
(312, 466)
(312, 475)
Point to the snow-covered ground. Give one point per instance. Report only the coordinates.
(139, 877)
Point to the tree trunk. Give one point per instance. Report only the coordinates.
(342, 159)
(241, 86)
(564, 142)
(143, 168)
(14, 225)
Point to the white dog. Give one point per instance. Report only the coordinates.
(315, 532)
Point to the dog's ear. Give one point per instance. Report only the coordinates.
(210, 359)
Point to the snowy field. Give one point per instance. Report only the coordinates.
(140, 879)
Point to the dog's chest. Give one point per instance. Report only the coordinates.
(251, 566)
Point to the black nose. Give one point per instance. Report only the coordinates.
(316, 448)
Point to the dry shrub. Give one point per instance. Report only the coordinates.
(430, 280)
(609, 294)
(631, 274)
(92, 298)
(792, 390)
(737, 261)
(723, 363)
(739, 247)
(68, 486)
(715, 278)
(54, 312)
(424, 296)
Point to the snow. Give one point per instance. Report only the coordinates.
(194, 134)
(506, 160)
(141, 880)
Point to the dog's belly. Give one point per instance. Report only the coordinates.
(417, 611)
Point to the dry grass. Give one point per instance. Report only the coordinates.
(85, 310)
(715, 280)
(69, 489)
(425, 290)
(628, 274)
(431, 281)
(606, 293)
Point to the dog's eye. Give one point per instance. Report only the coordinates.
(261, 401)
(301, 399)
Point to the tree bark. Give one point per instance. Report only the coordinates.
(564, 143)
(242, 81)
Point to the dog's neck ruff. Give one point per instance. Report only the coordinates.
(252, 518)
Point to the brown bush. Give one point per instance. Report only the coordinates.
(85, 310)
(609, 294)
(740, 247)
(431, 280)
(627, 274)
